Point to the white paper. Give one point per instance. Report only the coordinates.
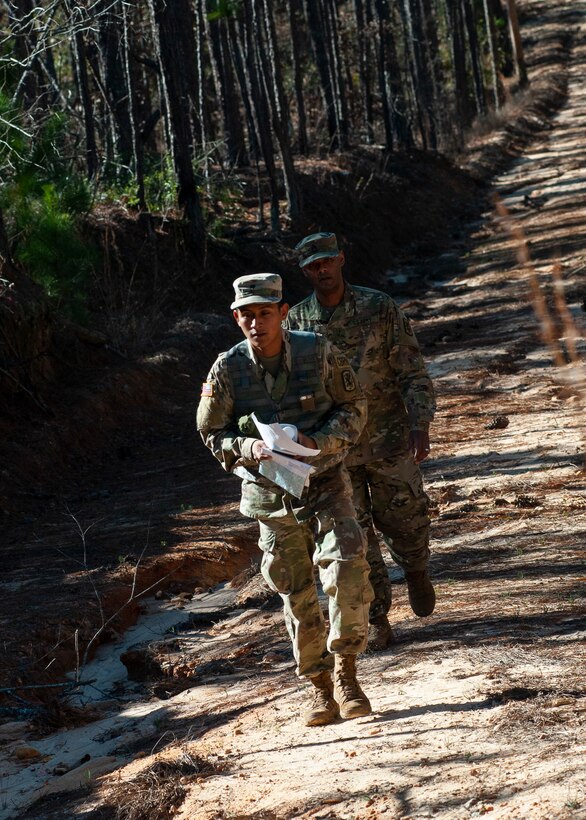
(243, 473)
(288, 473)
(277, 439)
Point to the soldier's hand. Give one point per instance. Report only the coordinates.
(306, 441)
(419, 445)
(259, 451)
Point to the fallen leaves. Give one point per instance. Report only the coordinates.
(26, 753)
(497, 423)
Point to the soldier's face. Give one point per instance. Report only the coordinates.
(325, 274)
(261, 324)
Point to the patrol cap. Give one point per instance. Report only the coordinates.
(257, 288)
(317, 246)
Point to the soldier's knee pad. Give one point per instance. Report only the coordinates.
(350, 581)
(273, 568)
(275, 572)
(345, 541)
(402, 505)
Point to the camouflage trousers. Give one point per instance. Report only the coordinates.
(389, 496)
(331, 540)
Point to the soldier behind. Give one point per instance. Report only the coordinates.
(297, 378)
(380, 344)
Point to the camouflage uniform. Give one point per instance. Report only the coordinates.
(381, 346)
(316, 390)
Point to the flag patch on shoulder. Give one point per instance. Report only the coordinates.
(207, 389)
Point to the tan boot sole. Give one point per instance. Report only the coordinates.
(359, 710)
(323, 718)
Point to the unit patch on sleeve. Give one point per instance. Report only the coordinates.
(349, 381)
(407, 326)
(207, 389)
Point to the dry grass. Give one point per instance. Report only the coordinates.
(556, 717)
(158, 791)
(556, 321)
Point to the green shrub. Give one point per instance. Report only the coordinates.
(53, 251)
(43, 198)
(160, 186)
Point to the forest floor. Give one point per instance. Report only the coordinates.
(479, 709)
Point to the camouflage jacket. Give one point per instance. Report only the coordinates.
(230, 436)
(376, 336)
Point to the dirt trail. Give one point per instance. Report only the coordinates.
(480, 708)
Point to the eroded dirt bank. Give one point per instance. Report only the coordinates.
(478, 709)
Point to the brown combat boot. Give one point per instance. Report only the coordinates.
(352, 700)
(323, 709)
(421, 592)
(380, 634)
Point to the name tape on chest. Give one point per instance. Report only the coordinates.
(207, 389)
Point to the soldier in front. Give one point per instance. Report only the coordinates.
(380, 344)
(297, 378)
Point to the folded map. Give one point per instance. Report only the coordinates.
(289, 473)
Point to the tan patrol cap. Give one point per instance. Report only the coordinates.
(316, 246)
(257, 288)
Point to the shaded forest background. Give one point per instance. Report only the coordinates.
(151, 151)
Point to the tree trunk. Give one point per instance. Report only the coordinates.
(176, 47)
(517, 44)
(262, 112)
(233, 133)
(295, 20)
(236, 126)
(438, 114)
(197, 93)
(112, 48)
(504, 46)
(238, 54)
(455, 29)
(269, 62)
(137, 142)
(491, 40)
(91, 148)
(474, 53)
(320, 50)
(330, 17)
(397, 129)
(422, 93)
(32, 86)
(5, 252)
(239, 60)
(364, 69)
